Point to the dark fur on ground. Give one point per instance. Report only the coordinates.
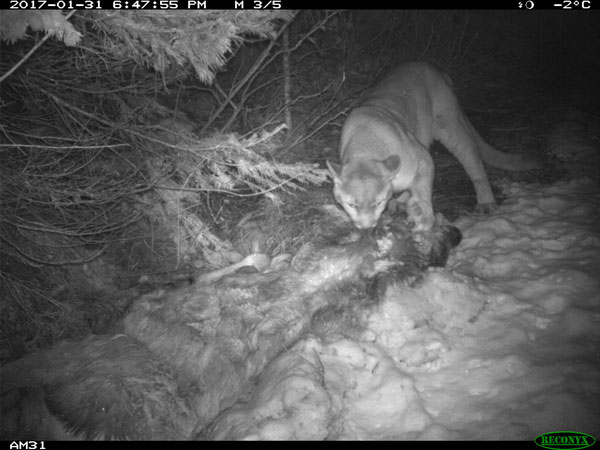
(102, 387)
(411, 256)
(397, 259)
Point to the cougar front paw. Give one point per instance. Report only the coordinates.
(485, 208)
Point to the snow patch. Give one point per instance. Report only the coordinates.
(502, 344)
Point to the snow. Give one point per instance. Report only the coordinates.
(501, 344)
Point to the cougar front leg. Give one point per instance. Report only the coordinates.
(419, 207)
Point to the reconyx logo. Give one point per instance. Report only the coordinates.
(564, 440)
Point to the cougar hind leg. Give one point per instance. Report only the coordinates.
(458, 136)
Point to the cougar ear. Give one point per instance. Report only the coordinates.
(334, 169)
(391, 164)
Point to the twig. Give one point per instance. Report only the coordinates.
(248, 75)
(287, 80)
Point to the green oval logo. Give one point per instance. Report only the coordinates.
(565, 440)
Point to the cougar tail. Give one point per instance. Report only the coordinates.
(506, 161)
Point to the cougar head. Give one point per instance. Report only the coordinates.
(364, 188)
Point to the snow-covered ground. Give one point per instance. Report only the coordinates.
(501, 344)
